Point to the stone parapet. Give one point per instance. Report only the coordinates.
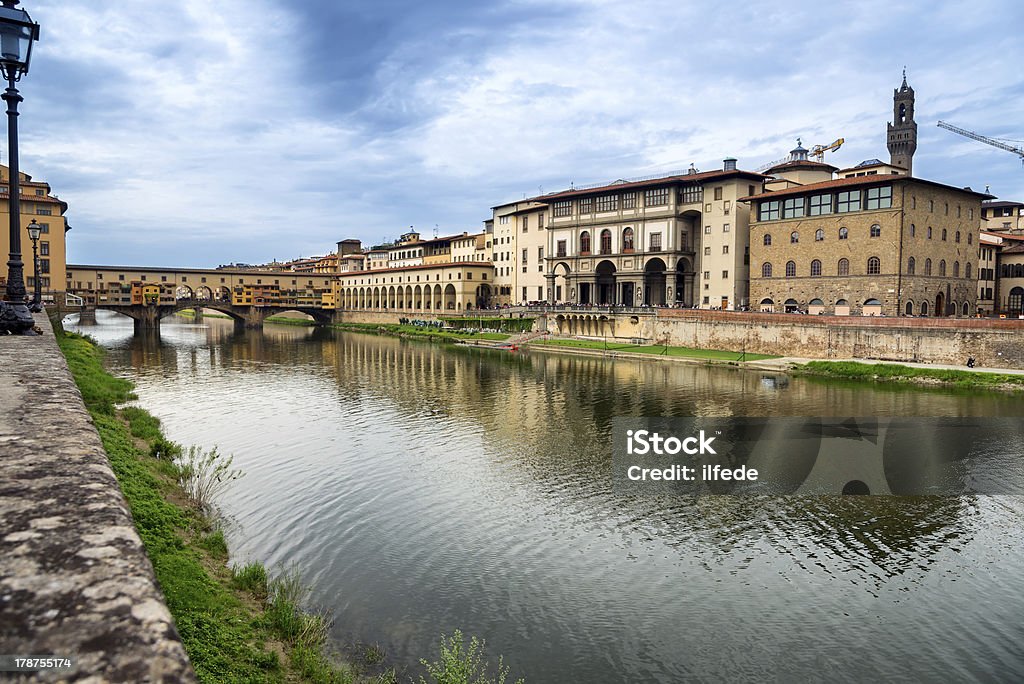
(75, 580)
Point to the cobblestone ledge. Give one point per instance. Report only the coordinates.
(75, 580)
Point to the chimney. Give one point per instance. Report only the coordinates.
(729, 164)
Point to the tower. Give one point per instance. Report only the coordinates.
(902, 138)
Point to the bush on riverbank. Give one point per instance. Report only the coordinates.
(413, 331)
(652, 349)
(892, 372)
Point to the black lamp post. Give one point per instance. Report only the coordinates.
(17, 33)
(37, 299)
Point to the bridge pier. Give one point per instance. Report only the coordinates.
(147, 319)
(199, 314)
(87, 316)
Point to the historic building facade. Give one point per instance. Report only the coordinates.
(676, 240)
(866, 245)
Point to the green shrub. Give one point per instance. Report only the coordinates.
(204, 475)
(251, 577)
(462, 664)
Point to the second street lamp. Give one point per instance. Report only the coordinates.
(37, 298)
(17, 33)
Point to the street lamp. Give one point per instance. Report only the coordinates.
(17, 33)
(37, 299)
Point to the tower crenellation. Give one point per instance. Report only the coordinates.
(902, 132)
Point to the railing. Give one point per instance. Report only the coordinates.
(73, 300)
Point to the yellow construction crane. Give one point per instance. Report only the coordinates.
(820, 150)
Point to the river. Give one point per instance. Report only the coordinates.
(421, 488)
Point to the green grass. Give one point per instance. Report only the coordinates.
(283, 320)
(890, 372)
(190, 313)
(223, 634)
(433, 334)
(658, 350)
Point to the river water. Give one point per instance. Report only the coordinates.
(421, 488)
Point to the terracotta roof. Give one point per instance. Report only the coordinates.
(854, 182)
(1014, 249)
(635, 185)
(802, 164)
(418, 268)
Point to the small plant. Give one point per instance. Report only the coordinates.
(215, 544)
(164, 449)
(462, 664)
(373, 653)
(251, 577)
(204, 475)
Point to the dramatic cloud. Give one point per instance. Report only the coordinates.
(202, 133)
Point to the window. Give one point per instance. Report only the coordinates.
(931, 205)
(656, 198)
(929, 232)
(942, 267)
(943, 234)
(911, 266)
(608, 203)
(725, 274)
(876, 230)
(540, 222)
(44, 211)
(707, 230)
(606, 241)
(767, 240)
(790, 269)
(526, 223)
(848, 201)
(627, 240)
(956, 269)
(726, 207)
(769, 211)
(844, 267)
(560, 248)
(879, 198)
(584, 243)
(540, 254)
(502, 220)
(821, 204)
(44, 228)
(794, 237)
(874, 266)
(793, 208)
(693, 194)
(561, 209)
(587, 205)
(927, 267)
(44, 248)
(967, 273)
(655, 242)
(843, 233)
(819, 235)
(44, 265)
(766, 270)
(947, 208)
(526, 255)
(629, 200)
(956, 236)
(707, 275)
(707, 251)
(725, 249)
(815, 268)
(913, 230)
(969, 240)
(725, 227)
(718, 193)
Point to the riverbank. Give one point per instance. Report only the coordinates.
(619, 350)
(975, 378)
(418, 332)
(236, 623)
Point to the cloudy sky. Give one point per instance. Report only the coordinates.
(200, 133)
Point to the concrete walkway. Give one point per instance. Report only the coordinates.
(784, 363)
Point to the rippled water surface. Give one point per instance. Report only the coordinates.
(419, 489)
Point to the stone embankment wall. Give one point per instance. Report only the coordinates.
(994, 343)
(75, 580)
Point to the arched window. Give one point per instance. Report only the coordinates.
(1016, 300)
(819, 235)
(927, 266)
(956, 269)
(967, 310)
(956, 237)
(969, 235)
(924, 308)
(815, 268)
(766, 270)
(790, 269)
(874, 266)
(913, 230)
(943, 234)
(929, 232)
(627, 240)
(585, 242)
(967, 270)
(794, 237)
(942, 267)
(767, 240)
(606, 241)
(910, 308)
(844, 267)
(843, 233)
(876, 230)
(911, 266)
(1018, 270)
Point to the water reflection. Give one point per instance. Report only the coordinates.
(422, 488)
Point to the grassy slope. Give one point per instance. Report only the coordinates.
(909, 374)
(658, 350)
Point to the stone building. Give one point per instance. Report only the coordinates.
(676, 240)
(866, 245)
(1000, 216)
(1009, 291)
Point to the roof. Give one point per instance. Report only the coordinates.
(996, 204)
(1014, 249)
(646, 183)
(419, 267)
(802, 164)
(854, 182)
